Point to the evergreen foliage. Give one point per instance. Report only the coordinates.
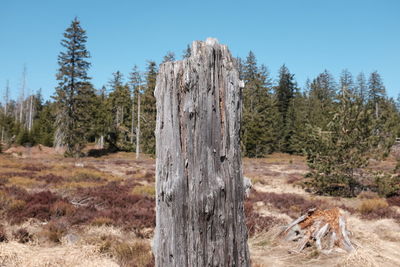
(148, 119)
(260, 119)
(351, 138)
(285, 91)
(338, 125)
(74, 93)
(120, 105)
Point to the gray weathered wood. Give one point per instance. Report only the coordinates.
(200, 215)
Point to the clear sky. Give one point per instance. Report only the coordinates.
(307, 35)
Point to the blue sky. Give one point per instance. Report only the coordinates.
(306, 35)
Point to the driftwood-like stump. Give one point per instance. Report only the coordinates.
(326, 228)
(200, 216)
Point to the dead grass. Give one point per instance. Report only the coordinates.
(137, 253)
(145, 190)
(372, 205)
(113, 215)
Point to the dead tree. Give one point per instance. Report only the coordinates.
(200, 217)
(326, 228)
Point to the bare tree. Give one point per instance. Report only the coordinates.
(22, 95)
(138, 128)
(200, 192)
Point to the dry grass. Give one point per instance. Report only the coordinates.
(114, 219)
(144, 190)
(137, 253)
(371, 205)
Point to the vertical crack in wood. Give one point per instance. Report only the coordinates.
(200, 215)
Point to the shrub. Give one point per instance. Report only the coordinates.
(255, 222)
(394, 201)
(291, 204)
(62, 208)
(3, 236)
(99, 221)
(50, 178)
(387, 184)
(368, 195)
(55, 230)
(87, 177)
(34, 168)
(372, 205)
(133, 254)
(294, 178)
(23, 236)
(37, 205)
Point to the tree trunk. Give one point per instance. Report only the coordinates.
(200, 215)
(138, 128)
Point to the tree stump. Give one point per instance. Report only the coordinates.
(200, 215)
(326, 228)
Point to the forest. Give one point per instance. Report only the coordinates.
(337, 122)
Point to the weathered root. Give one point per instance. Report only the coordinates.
(325, 228)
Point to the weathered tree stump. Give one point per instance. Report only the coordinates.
(200, 216)
(326, 228)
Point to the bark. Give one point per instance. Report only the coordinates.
(200, 215)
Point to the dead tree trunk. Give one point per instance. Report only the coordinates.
(200, 216)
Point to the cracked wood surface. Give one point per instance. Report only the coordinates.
(199, 181)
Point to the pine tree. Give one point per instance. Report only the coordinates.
(361, 87)
(43, 126)
(74, 92)
(121, 105)
(148, 119)
(103, 120)
(135, 81)
(350, 139)
(187, 52)
(285, 92)
(169, 57)
(376, 92)
(296, 125)
(321, 93)
(260, 115)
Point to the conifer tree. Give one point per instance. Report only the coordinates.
(350, 139)
(148, 104)
(169, 57)
(260, 115)
(361, 86)
(285, 92)
(296, 125)
(376, 92)
(121, 105)
(187, 52)
(135, 80)
(74, 93)
(321, 93)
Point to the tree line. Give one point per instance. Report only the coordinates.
(337, 124)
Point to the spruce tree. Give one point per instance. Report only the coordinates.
(260, 115)
(321, 94)
(149, 112)
(169, 57)
(350, 139)
(376, 92)
(121, 105)
(74, 93)
(285, 92)
(135, 81)
(187, 52)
